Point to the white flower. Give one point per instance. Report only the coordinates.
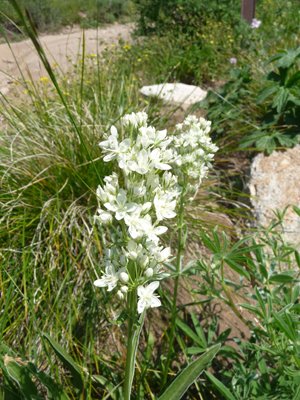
(141, 165)
(124, 277)
(110, 278)
(104, 217)
(148, 273)
(147, 298)
(164, 208)
(133, 221)
(135, 120)
(155, 157)
(152, 231)
(120, 206)
(124, 289)
(120, 295)
(112, 146)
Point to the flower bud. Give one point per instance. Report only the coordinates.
(124, 289)
(120, 295)
(149, 273)
(124, 277)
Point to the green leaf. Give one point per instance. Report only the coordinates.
(56, 391)
(107, 385)
(68, 363)
(282, 278)
(212, 329)
(184, 380)
(294, 79)
(196, 350)
(208, 242)
(252, 308)
(220, 387)
(188, 331)
(9, 394)
(263, 369)
(224, 335)
(20, 375)
(283, 327)
(261, 302)
(266, 92)
(281, 99)
(280, 54)
(135, 342)
(237, 268)
(287, 60)
(198, 328)
(297, 394)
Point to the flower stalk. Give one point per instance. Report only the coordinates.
(134, 202)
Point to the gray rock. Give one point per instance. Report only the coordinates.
(180, 93)
(273, 184)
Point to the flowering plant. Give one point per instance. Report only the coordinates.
(151, 179)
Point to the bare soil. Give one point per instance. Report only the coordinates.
(60, 48)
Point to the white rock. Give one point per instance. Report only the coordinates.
(273, 183)
(185, 95)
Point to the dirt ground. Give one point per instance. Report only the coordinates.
(59, 48)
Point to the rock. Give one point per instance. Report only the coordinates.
(273, 184)
(180, 93)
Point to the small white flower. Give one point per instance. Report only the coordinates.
(124, 277)
(124, 289)
(148, 273)
(121, 207)
(120, 295)
(110, 278)
(104, 217)
(147, 298)
(164, 208)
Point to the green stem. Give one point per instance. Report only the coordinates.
(131, 350)
(173, 320)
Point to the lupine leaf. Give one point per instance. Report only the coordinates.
(220, 387)
(189, 332)
(184, 380)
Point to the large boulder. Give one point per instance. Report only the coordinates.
(273, 184)
(179, 93)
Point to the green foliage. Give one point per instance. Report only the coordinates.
(184, 17)
(281, 122)
(268, 365)
(21, 373)
(182, 382)
(53, 14)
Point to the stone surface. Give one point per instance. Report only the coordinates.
(273, 184)
(180, 93)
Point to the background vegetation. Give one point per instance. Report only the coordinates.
(50, 247)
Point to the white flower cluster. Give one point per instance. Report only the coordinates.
(142, 195)
(194, 148)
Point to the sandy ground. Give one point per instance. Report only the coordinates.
(58, 47)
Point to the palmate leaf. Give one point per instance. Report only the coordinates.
(184, 380)
(266, 92)
(281, 99)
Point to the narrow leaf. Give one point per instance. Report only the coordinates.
(220, 387)
(188, 331)
(19, 374)
(184, 380)
(69, 363)
(198, 328)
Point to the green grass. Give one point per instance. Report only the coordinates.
(50, 247)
